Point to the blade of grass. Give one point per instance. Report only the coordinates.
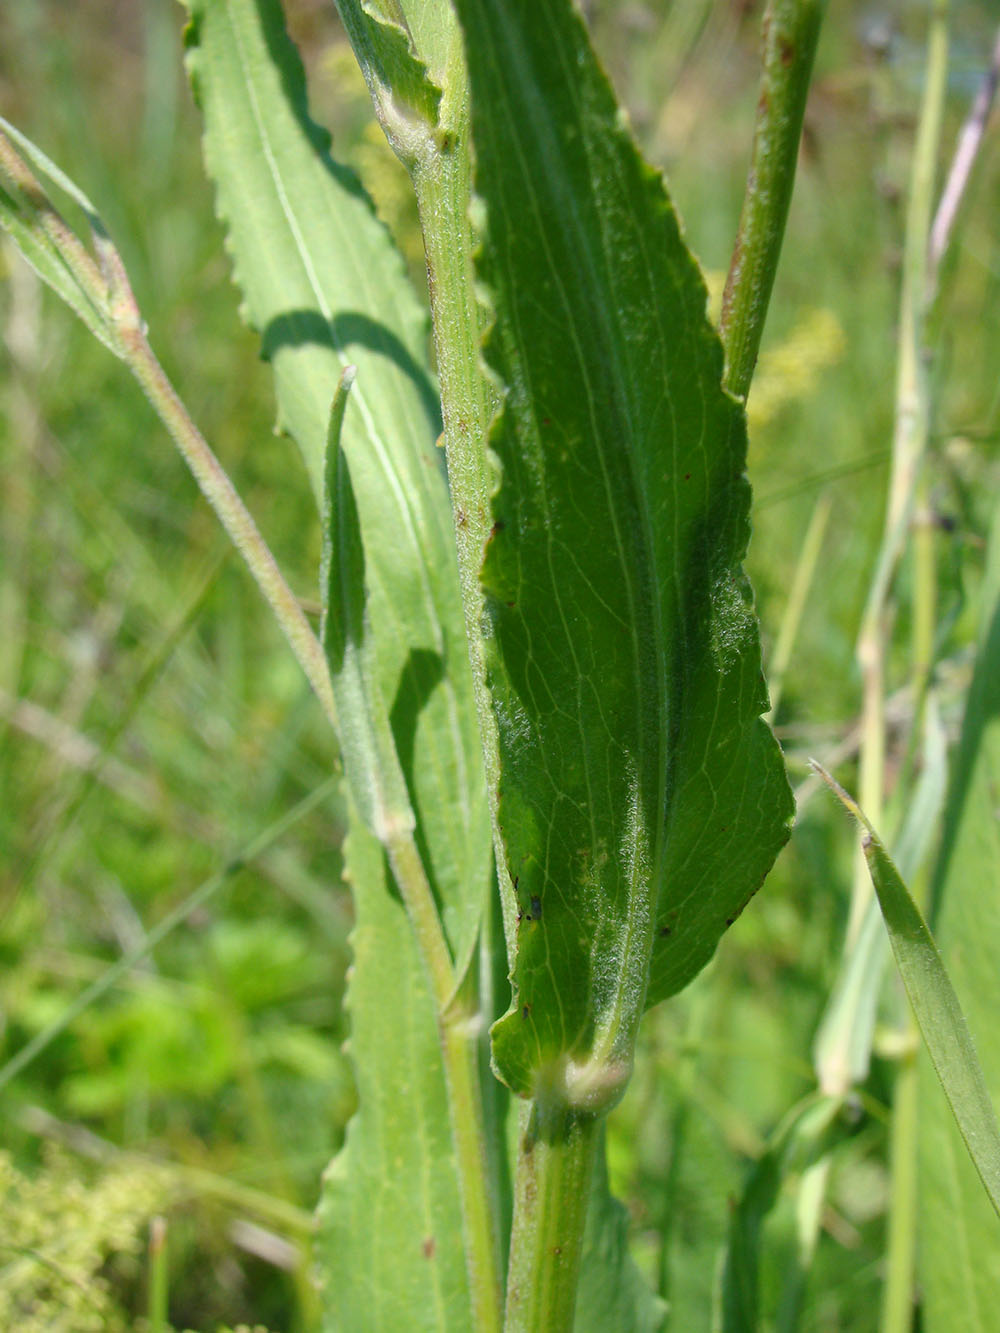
(791, 619)
(935, 1005)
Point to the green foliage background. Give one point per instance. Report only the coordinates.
(153, 721)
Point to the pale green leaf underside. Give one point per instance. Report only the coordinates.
(389, 1244)
(642, 800)
(326, 288)
(960, 1233)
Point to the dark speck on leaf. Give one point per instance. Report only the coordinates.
(687, 476)
(730, 920)
(664, 931)
(526, 1011)
(429, 1246)
(498, 526)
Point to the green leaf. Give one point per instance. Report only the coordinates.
(844, 1039)
(325, 286)
(388, 1250)
(395, 45)
(935, 1006)
(642, 799)
(29, 217)
(327, 290)
(959, 1258)
(613, 1294)
(371, 762)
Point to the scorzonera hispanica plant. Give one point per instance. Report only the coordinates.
(552, 742)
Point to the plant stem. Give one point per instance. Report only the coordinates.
(790, 33)
(908, 490)
(438, 160)
(791, 619)
(909, 442)
(557, 1148)
(221, 494)
(158, 1275)
(969, 141)
(459, 1033)
(442, 180)
(103, 283)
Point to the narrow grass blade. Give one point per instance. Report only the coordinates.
(935, 1006)
(843, 1046)
(959, 1254)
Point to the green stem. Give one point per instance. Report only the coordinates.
(459, 1033)
(104, 284)
(909, 439)
(557, 1149)
(158, 1275)
(790, 33)
(232, 514)
(442, 179)
(901, 1243)
(907, 483)
(791, 619)
(431, 139)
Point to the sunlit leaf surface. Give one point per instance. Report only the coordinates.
(642, 799)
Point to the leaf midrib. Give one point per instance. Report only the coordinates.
(640, 915)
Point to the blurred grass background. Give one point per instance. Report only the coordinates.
(153, 722)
